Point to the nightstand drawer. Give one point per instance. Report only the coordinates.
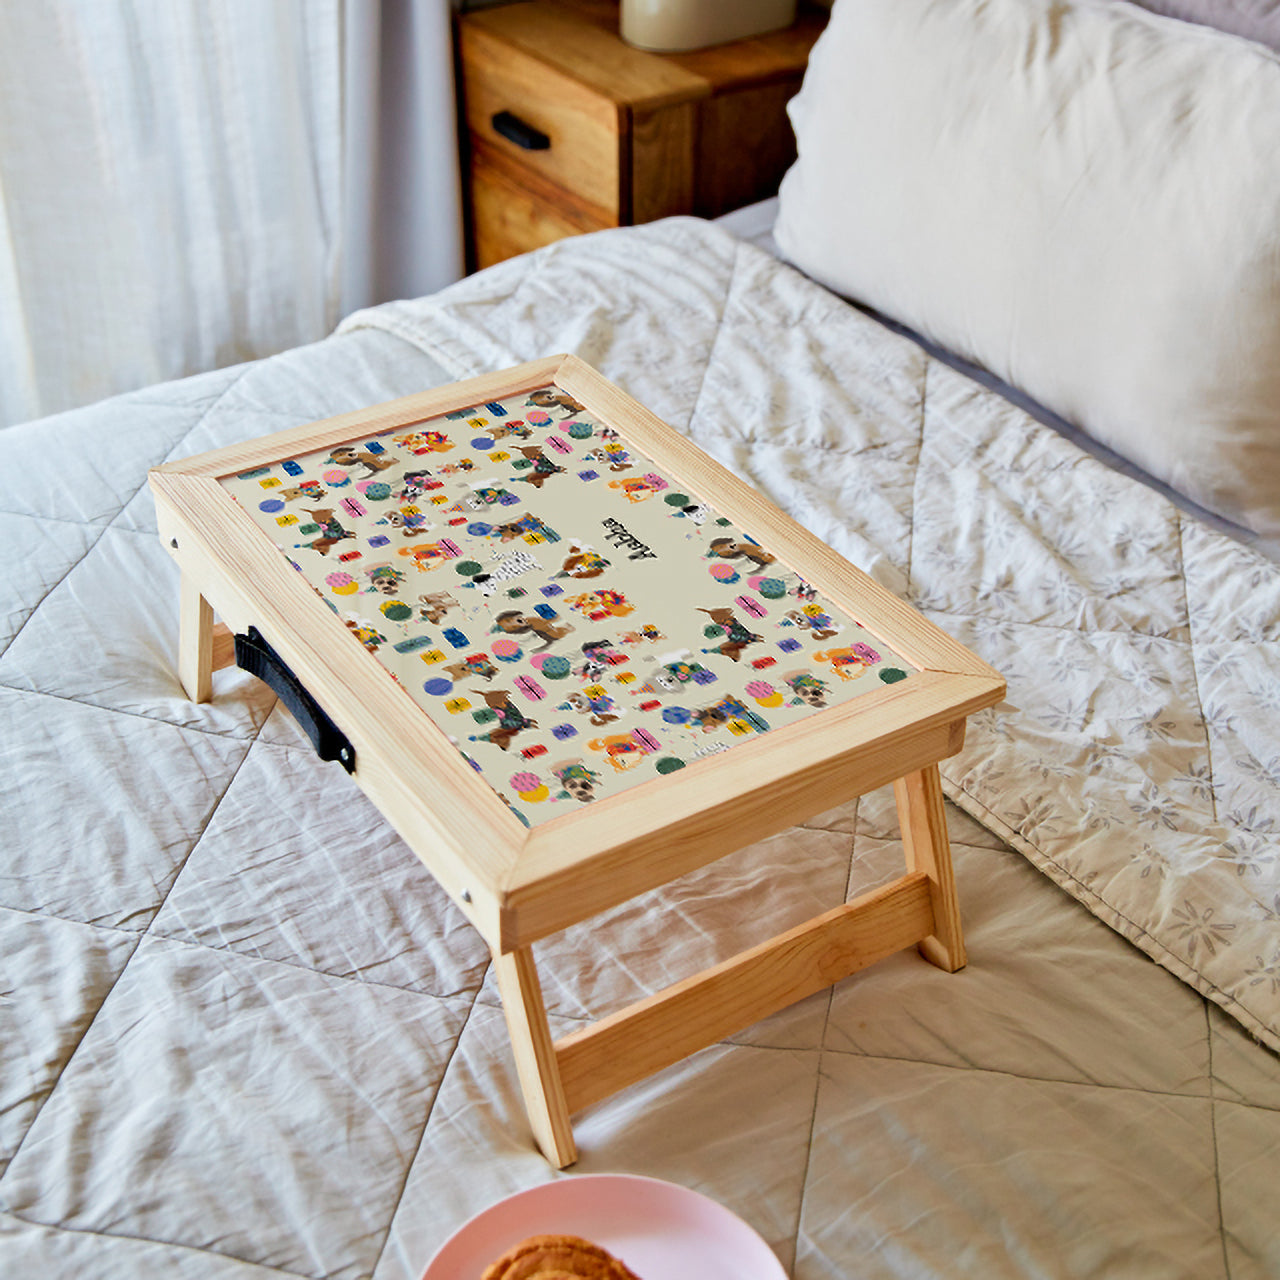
(510, 216)
(613, 135)
(581, 127)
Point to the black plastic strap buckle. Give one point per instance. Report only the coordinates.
(256, 656)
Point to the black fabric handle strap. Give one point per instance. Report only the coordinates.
(257, 657)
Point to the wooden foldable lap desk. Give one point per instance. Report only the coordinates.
(570, 658)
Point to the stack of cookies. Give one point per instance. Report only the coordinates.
(557, 1257)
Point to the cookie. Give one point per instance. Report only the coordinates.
(557, 1257)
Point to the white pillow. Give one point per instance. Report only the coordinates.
(1080, 196)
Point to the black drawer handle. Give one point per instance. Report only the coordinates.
(258, 658)
(522, 134)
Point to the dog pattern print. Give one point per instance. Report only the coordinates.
(573, 619)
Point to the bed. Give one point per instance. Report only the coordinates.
(242, 1033)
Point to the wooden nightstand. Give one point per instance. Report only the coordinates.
(569, 129)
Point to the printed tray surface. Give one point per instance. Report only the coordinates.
(574, 619)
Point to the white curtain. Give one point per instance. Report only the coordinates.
(189, 183)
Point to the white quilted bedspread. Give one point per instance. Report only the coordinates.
(1141, 767)
(242, 1034)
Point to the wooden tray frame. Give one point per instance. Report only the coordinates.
(518, 884)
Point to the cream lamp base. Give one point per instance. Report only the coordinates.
(677, 26)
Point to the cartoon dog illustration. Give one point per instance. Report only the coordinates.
(601, 710)
(433, 606)
(309, 489)
(385, 578)
(413, 484)
(819, 624)
(697, 512)
(621, 750)
(476, 665)
(504, 429)
(731, 549)
(347, 455)
(611, 454)
(857, 655)
(646, 632)
(554, 398)
(481, 496)
(807, 687)
(582, 562)
(367, 635)
(427, 555)
(728, 708)
(601, 603)
(672, 675)
(543, 467)
(516, 623)
(596, 660)
(409, 525)
(640, 490)
(330, 530)
(510, 719)
(420, 442)
(576, 779)
(737, 637)
(522, 525)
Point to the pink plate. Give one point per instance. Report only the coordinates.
(660, 1230)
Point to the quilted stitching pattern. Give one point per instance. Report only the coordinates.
(1141, 769)
(243, 1036)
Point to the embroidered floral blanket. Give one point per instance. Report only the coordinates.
(1137, 760)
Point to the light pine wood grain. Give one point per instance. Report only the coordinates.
(224, 646)
(527, 885)
(363, 423)
(451, 819)
(195, 642)
(588, 861)
(687, 1016)
(928, 848)
(535, 1055)
(517, 885)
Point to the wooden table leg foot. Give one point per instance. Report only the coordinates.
(535, 1055)
(195, 643)
(928, 848)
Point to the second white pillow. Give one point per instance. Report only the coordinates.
(1082, 197)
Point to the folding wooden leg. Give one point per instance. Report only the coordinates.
(924, 833)
(535, 1055)
(195, 643)
(595, 1061)
(598, 1060)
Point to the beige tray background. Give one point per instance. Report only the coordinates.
(400, 567)
(511, 880)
